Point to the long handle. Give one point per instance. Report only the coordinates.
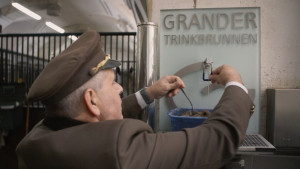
(188, 99)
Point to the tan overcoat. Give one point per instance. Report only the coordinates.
(131, 144)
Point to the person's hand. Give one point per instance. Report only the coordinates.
(225, 74)
(166, 86)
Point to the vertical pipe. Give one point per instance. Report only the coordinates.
(12, 60)
(110, 49)
(44, 44)
(38, 57)
(2, 58)
(59, 44)
(22, 64)
(128, 67)
(54, 46)
(17, 61)
(49, 49)
(146, 61)
(6, 60)
(32, 60)
(116, 50)
(134, 64)
(122, 60)
(27, 61)
(105, 36)
(71, 41)
(66, 37)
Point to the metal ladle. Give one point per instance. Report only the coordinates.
(193, 112)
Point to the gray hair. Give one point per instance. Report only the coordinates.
(71, 105)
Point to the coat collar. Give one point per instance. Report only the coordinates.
(58, 123)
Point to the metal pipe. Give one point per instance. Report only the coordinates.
(146, 64)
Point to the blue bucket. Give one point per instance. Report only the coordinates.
(179, 122)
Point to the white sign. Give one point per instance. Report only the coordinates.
(225, 36)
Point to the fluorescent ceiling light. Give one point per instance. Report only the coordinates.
(55, 27)
(73, 37)
(26, 11)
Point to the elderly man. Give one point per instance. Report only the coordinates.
(84, 126)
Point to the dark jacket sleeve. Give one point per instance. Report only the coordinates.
(210, 145)
(215, 142)
(130, 107)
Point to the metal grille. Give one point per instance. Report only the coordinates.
(23, 56)
(253, 140)
(121, 47)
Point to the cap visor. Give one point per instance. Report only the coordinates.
(111, 64)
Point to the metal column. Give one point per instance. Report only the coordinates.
(147, 55)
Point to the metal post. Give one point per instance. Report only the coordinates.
(147, 55)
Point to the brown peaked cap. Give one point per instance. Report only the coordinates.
(71, 69)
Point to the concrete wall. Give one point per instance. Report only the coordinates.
(280, 39)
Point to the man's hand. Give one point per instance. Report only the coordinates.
(225, 74)
(166, 86)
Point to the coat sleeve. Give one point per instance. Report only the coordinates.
(130, 107)
(210, 145)
(216, 141)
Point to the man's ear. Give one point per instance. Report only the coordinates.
(91, 100)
